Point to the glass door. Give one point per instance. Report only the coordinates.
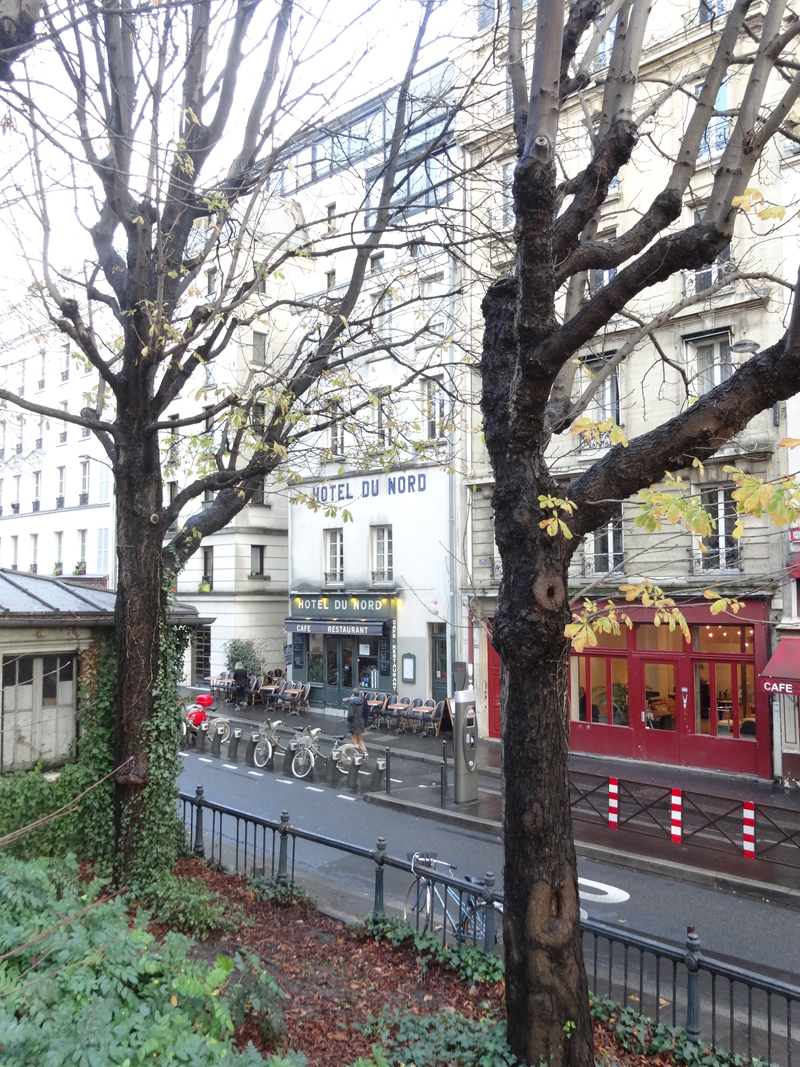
(339, 670)
(660, 710)
(439, 663)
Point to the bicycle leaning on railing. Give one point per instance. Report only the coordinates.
(462, 914)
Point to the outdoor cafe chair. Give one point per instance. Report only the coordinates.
(425, 716)
(377, 706)
(399, 712)
(253, 693)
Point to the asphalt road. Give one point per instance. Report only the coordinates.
(752, 933)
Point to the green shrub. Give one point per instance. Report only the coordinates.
(242, 649)
(444, 1037)
(188, 905)
(100, 989)
(468, 961)
(282, 892)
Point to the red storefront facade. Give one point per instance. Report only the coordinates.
(650, 695)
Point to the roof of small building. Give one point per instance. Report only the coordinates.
(53, 601)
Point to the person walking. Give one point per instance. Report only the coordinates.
(357, 720)
(240, 682)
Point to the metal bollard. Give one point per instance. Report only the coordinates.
(352, 774)
(332, 768)
(233, 746)
(388, 769)
(216, 741)
(283, 851)
(288, 756)
(380, 853)
(692, 985)
(250, 755)
(489, 914)
(377, 776)
(444, 751)
(202, 737)
(199, 848)
(443, 784)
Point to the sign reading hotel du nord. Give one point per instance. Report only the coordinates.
(336, 492)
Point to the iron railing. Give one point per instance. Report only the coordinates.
(718, 1004)
(707, 821)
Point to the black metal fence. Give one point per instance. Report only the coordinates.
(719, 1004)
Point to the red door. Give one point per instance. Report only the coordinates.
(493, 690)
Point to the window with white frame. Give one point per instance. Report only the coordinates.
(212, 283)
(82, 547)
(337, 438)
(384, 422)
(334, 557)
(382, 555)
(718, 131)
(707, 10)
(257, 561)
(104, 484)
(37, 488)
(605, 402)
(62, 436)
(34, 566)
(382, 314)
(17, 492)
(606, 46)
(62, 486)
(330, 279)
(259, 353)
(431, 290)
(607, 551)
(712, 358)
(102, 551)
(59, 536)
(503, 197)
(84, 497)
(722, 552)
(435, 408)
(208, 567)
(14, 552)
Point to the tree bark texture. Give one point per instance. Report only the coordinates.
(547, 993)
(140, 618)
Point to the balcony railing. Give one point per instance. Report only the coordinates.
(83, 500)
(39, 442)
(41, 384)
(381, 577)
(19, 448)
(35, 505)
(15, 507)
(334, 577)
(65, 376)
(62, 437)
(59, 501)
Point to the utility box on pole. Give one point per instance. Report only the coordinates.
(465, 746)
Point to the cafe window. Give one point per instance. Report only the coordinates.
(654, 638)
(724, 639)
(599, 690)
(724, 699)
(315, 658)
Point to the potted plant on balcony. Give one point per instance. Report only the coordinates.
(204, 587)
(80, 567)
(58, 570)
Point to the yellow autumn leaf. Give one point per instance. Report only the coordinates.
(618, 436)
(173, 1001)
(709, 594)
(774, 212)
(789, 442)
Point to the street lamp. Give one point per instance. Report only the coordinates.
(745, 346)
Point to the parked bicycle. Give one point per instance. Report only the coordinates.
(308, 751)
(463, 915)
(268, 743)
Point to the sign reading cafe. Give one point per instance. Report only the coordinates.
(361, 488)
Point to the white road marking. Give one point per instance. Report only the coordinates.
(204, 760)
(422, 786)
(398, 780)
(365, 772)
(285, 781)
(230, 766)
(343, 796)
(606, 894)
(186, 753)
(256, 774)
(315, 789)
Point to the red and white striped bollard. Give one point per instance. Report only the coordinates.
(676, 816)
(749, 830)
(613, 803)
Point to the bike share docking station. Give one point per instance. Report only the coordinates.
(465, 746)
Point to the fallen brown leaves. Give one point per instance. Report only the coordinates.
(334, 980)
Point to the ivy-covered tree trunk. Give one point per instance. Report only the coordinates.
(144, 798)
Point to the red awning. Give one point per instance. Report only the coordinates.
(782, 672)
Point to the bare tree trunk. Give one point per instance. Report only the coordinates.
(547, 993)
